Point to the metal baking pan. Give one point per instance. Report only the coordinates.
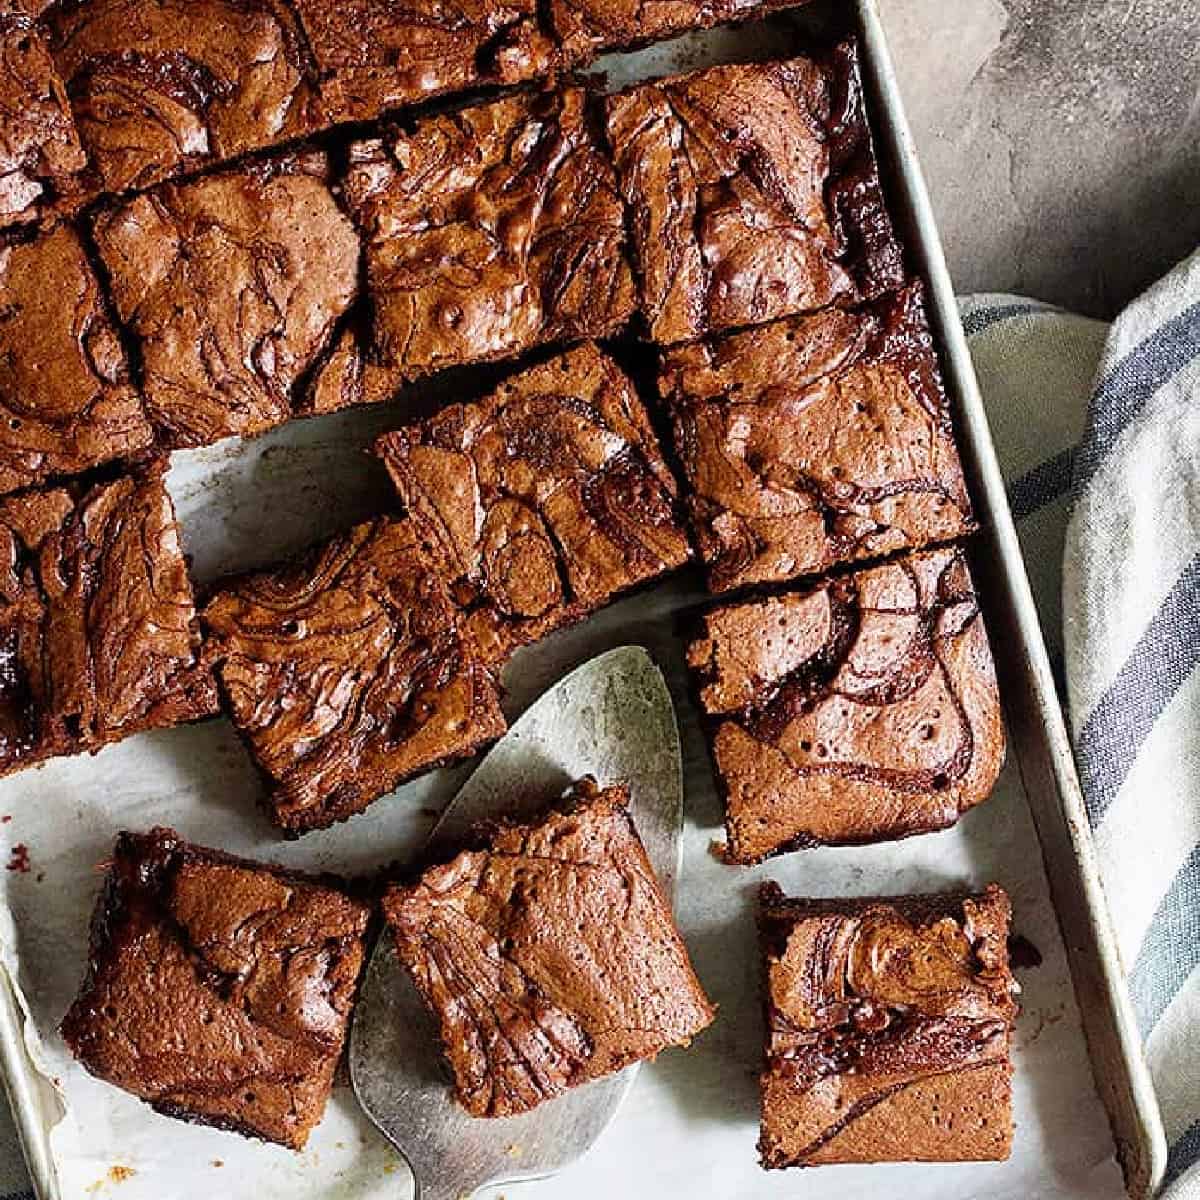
(244, 503)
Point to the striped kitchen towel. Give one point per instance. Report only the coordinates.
(1098, 431)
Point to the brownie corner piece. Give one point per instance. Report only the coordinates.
(97, 622)
(66, 400)
(232, 285)
(162, 87)
(182, 1009)
(754, 194)
(40, 154)
(374, 55)
(863, 709)
(544, 500)
(815, 441)
(489, 231)
(889, 1028)
(549, 957)
(346, 672)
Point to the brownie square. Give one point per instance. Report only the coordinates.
(488, 231)
(889, 1023)
(66, 402)
(548, 955)
(586, 27)
(862, 710)
(39, 148)
(346, 672)
(218, 990)
(231, 284)
(754, 194)
(816, 440)
(376, 54)
(160, 87)
(98, 633)
(544, 501)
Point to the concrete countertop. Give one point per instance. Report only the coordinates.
(1061, 139)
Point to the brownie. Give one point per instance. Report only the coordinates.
(545, 500)
(98, 635)
(346, 672)
(490, 230)
(548, 955)
(40, 153)
(159, 87)
(586, 27)
(816, 440)
(218, 990)
(231, 285)
(889, 1023)
(862, 710)
(66, 402)
(754, 194)
(375, 54)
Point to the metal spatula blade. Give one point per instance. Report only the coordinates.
(612, 718)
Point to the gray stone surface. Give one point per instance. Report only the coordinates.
(1061, 139)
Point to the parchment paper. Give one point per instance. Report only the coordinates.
(689, 1127)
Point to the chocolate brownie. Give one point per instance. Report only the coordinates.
(231, 285)
(98, 636)
(66, 403)
(164, 86)
(489, 230)
(889, 1024)
(586, 27)
(548, 955)
(754, 194)
(862, 710)
(376, 54)
(218, 990)
(545, 500)
(39, 147)
(345, 672)
(816, 440)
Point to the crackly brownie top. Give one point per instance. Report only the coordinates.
(550, 957)
(588, 26)
(345, 672)
(66, 403)
(218, 989)
(865, 707)
(162, 86)
(98, 629)
(877, 995)
(489, 230)
(816, 440)
(754, 193)
(39, 147)
(375, 54)
(545, 499)
(231, 284)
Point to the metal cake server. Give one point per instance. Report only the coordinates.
(611, 718)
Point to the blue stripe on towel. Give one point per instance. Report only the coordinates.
(1184, 1152)
(974, 323)
(1171, 951)
(1127, 388)
(1043, 485)
(1162, 661)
